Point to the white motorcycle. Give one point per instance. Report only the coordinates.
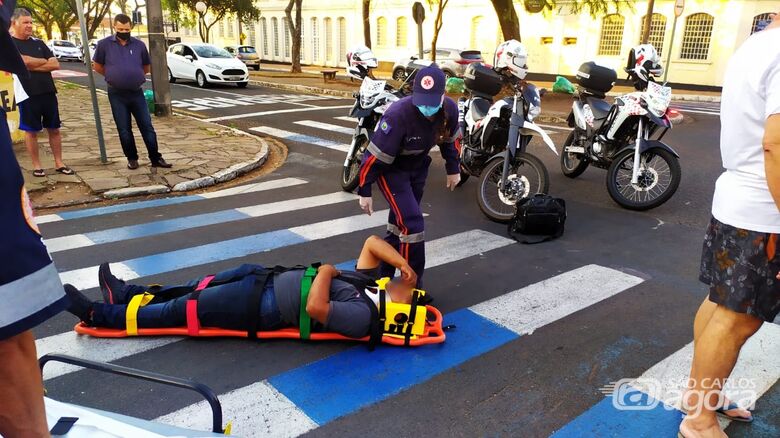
(642, 171)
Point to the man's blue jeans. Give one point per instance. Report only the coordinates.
(125, 103)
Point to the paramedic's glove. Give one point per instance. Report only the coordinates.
(407, 274)
(452, 181)
(367, 204)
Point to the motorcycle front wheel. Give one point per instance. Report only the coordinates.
(350, 173)
(527, 177)
(572, 164)
(659, 177)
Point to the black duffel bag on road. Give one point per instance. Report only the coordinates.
(539, 215)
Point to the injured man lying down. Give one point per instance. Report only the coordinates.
(333, 304)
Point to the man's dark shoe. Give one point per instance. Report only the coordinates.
(80, 305)
(111, 287)
(161, 163)
(132, 164)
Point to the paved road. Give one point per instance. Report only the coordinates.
(540, 329)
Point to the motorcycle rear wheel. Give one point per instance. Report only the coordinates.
(572, 164)
(528, 174)
(350, 174)
(660, 175)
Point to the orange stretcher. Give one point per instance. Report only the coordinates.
(432, 334)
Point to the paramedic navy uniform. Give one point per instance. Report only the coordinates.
(30, 288)
(397, 161)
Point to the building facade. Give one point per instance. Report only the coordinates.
(705, 34)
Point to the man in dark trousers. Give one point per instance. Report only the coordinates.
(124, 61)
(30, 289)
(40, 110)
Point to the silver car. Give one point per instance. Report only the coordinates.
(452, 61)
(247, 54)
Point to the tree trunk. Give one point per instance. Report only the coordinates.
(49, 31)
(507, 19)
(202, 28)
(437, 24)
(648, 21)
(295, 33)
(367, 23)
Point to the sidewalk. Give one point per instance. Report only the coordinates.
(202, 154)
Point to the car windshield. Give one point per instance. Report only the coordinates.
(64, 44)
(471, 54)
(211, 52)
(247, 49)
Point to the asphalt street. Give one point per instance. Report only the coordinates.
(540, 329)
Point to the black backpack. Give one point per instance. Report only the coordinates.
(539, 215)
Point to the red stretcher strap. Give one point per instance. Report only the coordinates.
(193, 324)
(433, 334)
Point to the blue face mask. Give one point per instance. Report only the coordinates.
(427, 110)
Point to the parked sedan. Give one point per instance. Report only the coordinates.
(65, 50)
(205, 64)
(452, 61)
(247, 54)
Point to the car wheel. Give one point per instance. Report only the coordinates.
(399, 74)
(242, 84)
(200, 78)
(171, 79)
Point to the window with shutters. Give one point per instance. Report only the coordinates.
(275, 39)
(697, 37)
(611, 41)
(342, 38)
(400, 32)
(328, 39)
(476, 25)
(287, 41)
(759, 22)
(221, 28)
(381, 31)
(657, 32)
(264, 35)
(315, 40)
(231, 33)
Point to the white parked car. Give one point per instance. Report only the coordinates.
(205, 64)
(65, 50)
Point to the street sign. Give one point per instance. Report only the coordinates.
(534, 6)
(418, 12)
(679, 5)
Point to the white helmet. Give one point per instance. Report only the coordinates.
(513, 56)
(359, 60)
(643, 62)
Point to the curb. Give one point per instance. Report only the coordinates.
(303, 89)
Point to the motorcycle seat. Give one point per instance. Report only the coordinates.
(599, 107)
(479, 108)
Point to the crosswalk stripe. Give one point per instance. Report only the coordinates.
(711, 113)
(326, 126)
(322, 391)
(293, 136)
(553, 127)
(440, 251)
(659, 389)
(86, 278)
(187, 222)
(131, 206)
(269, 113)
(346, 119)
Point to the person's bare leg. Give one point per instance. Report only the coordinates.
(22, 412)
(31, 141)
(703, 315)
(715, 354)
(55, 142)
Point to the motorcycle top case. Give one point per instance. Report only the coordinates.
(482, 80)
(596, 79)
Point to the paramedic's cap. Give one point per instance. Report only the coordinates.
(429, 84)
(10, 59)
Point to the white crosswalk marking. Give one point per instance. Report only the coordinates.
(346, 119)
(272, 112)
(292, 136)
(326, 126)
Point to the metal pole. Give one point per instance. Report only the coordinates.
(669, 53)
(92, 89)
(420, 40)
(157, 49)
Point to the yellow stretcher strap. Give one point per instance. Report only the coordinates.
(131, 316)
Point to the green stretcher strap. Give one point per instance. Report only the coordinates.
(304, 323)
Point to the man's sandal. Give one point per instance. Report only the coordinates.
(65, 170)
(39, 173)
(721, 411)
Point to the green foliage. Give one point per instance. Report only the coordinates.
(49, 13)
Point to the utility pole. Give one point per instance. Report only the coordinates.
(157, 49)
(648, 21)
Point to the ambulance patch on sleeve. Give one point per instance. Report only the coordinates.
(384, 126)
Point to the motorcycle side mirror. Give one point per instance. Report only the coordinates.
(542, 92)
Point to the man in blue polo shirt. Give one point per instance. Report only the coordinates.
(124, 61)
(30, 289)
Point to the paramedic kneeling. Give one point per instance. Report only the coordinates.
(398, 161)
(334, 305)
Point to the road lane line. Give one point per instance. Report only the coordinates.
(347, 119)
(136, 231)
(326, 126)
(656, 405)
(138, 205)
(301, 138)
(268, 113)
